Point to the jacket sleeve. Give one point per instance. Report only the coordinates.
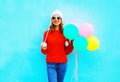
(69, 48)
(42, 50)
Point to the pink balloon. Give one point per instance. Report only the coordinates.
(86, 29)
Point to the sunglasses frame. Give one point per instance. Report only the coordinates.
(56, 17)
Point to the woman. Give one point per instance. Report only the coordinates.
(55, 48)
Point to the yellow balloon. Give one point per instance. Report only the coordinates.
(93, 43)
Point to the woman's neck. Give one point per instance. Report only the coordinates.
(56, 27)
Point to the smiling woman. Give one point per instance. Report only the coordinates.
(56, 49)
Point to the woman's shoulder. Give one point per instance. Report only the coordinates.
(46, 31)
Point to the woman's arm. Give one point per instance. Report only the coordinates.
(44, 44)
(69, 48)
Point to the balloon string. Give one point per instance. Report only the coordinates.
(46, 35)
(76, 67)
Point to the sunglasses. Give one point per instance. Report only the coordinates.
(56, 17)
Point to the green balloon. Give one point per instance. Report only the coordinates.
(80, 43)
(70, 31)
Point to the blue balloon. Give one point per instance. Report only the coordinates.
(70, 31)
(80, 43)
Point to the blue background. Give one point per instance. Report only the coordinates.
(23, 22)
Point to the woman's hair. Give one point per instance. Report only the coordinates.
(52, 27)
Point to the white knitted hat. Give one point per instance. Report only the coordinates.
(57, 12)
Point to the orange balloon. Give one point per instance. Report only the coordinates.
(93, 43)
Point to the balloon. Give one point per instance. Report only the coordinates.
(76, 24)
(93, 43)
(70, 31)
(80, 43)
(86, 29)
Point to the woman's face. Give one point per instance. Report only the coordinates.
(56, 19)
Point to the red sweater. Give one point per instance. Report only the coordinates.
(56, 50)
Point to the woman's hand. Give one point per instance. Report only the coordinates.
(44, 45)
(67, 42)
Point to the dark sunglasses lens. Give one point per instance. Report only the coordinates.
(58, 17)
(53, 17)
